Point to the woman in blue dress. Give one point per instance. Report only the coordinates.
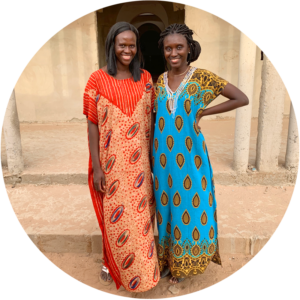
(183, 177)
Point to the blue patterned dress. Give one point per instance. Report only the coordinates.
(183, 178)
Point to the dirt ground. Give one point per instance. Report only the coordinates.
(68, 148)
(86, 268)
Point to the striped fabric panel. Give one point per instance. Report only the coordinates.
(89, 100)
(123, 93)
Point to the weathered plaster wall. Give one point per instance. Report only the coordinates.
(220, 43)
(52, 84)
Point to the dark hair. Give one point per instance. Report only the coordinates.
(195, 48)
(137, 61)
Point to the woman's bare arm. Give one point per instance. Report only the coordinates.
(99, 178)
(153, 115)
(236, 99)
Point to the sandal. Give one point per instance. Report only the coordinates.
(178, 280)
(105, 273)
(165, 272)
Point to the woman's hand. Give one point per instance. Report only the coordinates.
(99, 180)
(198, 121)
(153, 117)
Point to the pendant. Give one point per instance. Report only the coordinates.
(171, 103)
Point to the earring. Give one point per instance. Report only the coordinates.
(188, 58)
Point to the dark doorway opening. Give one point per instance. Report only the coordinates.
(153, 59)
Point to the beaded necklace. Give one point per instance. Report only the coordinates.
(173, 96)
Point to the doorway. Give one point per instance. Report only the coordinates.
(153, 58)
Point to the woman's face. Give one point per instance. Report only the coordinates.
(125, 47)
(176, 50)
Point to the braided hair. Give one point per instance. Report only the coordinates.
(195, 48)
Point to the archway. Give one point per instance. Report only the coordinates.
(153, 59)
(152, 16)
(130, 10)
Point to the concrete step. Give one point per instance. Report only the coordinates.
(279, 178)
(61, 218)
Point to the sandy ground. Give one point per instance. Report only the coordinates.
(86, 268)
(62, 147)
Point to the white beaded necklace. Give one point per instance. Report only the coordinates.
(173, 96)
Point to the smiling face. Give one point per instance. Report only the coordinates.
(125, 47)
(176, 50)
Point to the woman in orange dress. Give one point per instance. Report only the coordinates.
(118, 101)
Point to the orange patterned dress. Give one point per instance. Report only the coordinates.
(122, 111)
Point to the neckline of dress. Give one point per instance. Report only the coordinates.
(167, 79)
(114, 77)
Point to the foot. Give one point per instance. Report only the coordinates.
(105, 277)
(175, 280)
(165, 272)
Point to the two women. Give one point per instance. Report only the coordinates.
(118, 101)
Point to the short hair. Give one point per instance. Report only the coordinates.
(135, 65)
(195, 48)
